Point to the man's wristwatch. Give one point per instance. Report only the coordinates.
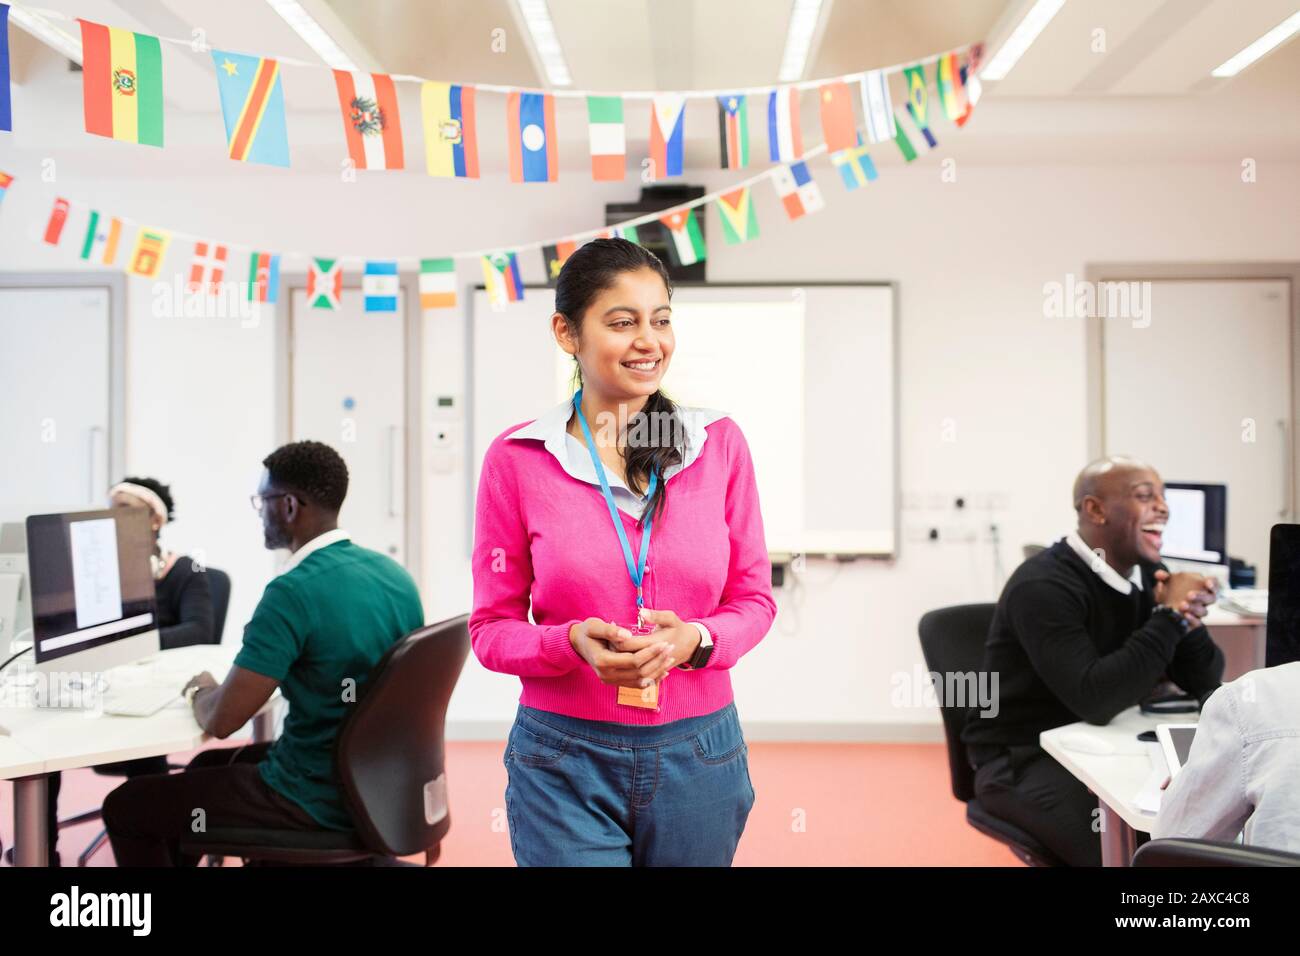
(1182, 622)
(702, 653)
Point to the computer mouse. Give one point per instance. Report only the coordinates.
(1086, 744)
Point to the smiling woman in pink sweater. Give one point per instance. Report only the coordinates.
(614, 509)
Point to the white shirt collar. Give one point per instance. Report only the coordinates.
(315, 544)
(1102, 569)
(572, 454)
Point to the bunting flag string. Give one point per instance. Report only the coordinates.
(127, 65)
(123, 99)
(793, 182)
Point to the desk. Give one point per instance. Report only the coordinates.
(1114, 778)
(1242, 640)
(43, 740)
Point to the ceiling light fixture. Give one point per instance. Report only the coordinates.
(537, 17)
(1273, 38)
(313, 34)
(798, 39)
(46, 32)
(1021, 39)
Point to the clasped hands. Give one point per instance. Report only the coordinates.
(634, 660)
(1189, 594)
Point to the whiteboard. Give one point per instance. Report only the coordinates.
(807, 372)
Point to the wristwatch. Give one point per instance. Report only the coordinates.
(1181, 621)
(702, 653)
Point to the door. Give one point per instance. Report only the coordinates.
(348, 390)
(55, 361)
(1203, 393)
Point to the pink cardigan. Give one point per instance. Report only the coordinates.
(541, 534)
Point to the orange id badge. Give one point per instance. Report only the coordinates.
(649, 698)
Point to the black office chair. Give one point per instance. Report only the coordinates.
(219, 588)
(1177, 852)
(952, 641)
(390, 760)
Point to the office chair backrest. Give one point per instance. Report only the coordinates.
(219, 588)
(390, 749)
(952, 641)
(1176, 852)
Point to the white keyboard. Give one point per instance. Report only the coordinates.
(144, 700)
(1251, 602)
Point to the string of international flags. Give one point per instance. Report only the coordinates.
(122, 93)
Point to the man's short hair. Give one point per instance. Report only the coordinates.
(311, 469)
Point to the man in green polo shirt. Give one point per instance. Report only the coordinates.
(318, 631)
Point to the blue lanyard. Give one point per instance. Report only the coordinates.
(634, 571)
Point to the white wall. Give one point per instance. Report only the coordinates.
(977, 356)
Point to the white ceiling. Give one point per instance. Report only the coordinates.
(1147, 95)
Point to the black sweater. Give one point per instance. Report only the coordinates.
(184, 606)
(1067, 646)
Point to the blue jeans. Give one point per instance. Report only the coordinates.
(597, 793)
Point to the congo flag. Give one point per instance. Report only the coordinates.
(121, 84)
(252, 104)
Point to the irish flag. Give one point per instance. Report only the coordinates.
(121, 84)
(437, 283)
(688, 243)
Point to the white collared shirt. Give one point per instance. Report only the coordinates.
(572, 454)
(1102, 569)
(315, 544)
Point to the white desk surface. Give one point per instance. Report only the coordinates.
(64, 739)
(1115, 778)
(17, 761)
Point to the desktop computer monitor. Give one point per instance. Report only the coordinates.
(1283, 637)
(92, 589)
(1197, 529)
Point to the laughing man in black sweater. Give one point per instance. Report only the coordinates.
(1083, 631)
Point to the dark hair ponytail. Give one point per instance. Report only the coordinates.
(590, 270)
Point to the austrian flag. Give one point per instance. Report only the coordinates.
(370, 119)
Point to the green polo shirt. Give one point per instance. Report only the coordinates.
(320, 627)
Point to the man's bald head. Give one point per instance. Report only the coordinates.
(1105, 476)
(1122, 511)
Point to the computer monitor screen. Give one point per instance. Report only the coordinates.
(1283, 641)
(91, 581)
(1197, 529)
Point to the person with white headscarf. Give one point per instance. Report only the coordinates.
(185, 614)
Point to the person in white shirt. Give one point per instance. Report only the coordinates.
(1243, 770)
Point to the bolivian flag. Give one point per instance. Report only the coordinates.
(121, 83)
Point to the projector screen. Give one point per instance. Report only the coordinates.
(807, 372)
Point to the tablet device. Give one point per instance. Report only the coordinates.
(1176, 743)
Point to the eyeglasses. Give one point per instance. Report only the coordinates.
(259, 501)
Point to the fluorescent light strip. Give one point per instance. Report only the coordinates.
(798, 40)
(46, 32)
(313, 34)
(1021, 39)
(537, 17)
(1274, 37)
